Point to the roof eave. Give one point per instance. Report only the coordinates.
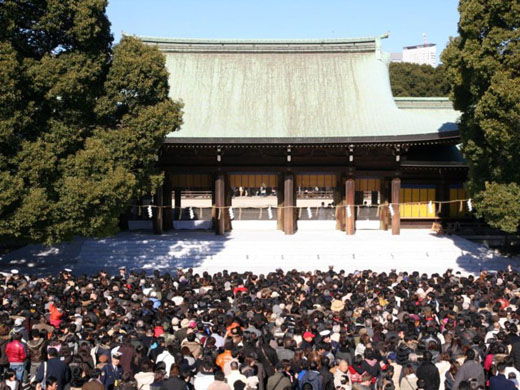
(413, 138)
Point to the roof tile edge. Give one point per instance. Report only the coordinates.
(363, 44)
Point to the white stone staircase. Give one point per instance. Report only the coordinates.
(260, 249)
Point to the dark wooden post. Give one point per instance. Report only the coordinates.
(228, 196)
(289, 223)
(220, 202)
(339, 203)
(443, 194)
(396, 219)
(384, 216)
(167, 203)
(350, 192)
(157, 212)
(279, 202)
(177, 203)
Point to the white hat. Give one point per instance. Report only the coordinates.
(325, 333)
(67, 270)
(14, 272)
(18, 322)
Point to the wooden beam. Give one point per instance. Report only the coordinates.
(350, 192)
(396, 219)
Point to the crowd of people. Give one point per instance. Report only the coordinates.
(280, 331)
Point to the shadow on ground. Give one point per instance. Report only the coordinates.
(135, 250)
(475, 258)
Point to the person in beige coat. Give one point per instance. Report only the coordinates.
(219, 383)
(409, 380)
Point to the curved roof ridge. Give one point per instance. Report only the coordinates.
(283, 41)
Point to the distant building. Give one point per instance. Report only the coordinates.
(396, 57)
(420, 54)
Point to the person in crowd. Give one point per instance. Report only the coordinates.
(219, 382)
(279, 381)
(499, 381)
(54, 368)
(113, 372)
(470, 370)
(16, 354)
(10, 382)
(428, 372)
(94, 382)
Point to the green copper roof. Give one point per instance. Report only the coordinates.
(287, 89)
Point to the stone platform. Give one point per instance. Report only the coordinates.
(254, 246)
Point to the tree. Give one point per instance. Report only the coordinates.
(483, 68)
(80, 122)
(413, 80)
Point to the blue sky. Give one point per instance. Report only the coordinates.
(406, 20)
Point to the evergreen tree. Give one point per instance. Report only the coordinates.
(483, 68)
(80, 122)
(413, 80)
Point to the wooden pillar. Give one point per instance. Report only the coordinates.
(289, 223)
(279, 202)
(443, 194)
(396, 219)
(177, 203)
(350, 192)
(157, 212)
(214, 213)
(384, 216)
(339, 202)
(228, 197)
(167, 203)
(220, 202)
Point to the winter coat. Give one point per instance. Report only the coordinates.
(55, 368)
(56, 315)
(314, 378)
(35, 348)
(469, 370)
(174, 383)
(356, 373)
(15, 352)
(500, 382)
(430, 373)
(278, 381)
(409, 382)
(111, 374)
(3, 357)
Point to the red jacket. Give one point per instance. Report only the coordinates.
(15, 352)
(55, 318)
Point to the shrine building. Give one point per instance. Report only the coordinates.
(294, 117)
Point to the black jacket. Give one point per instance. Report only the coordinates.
(174, 383)
(55, 368)
(515, 353)
(430, 374)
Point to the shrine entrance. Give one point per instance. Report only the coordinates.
(367, 200)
